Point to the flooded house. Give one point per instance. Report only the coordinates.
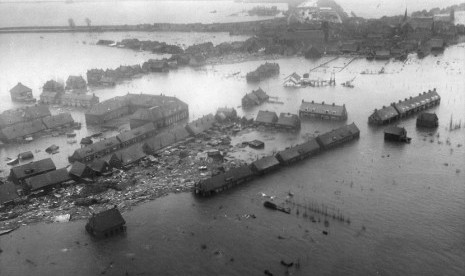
(256, 97)
(125, 157)
(62, 120)
(224, 114)
(200, 125)
(78, 100)
(21, 93)
(437, 45)
(349, 48)
(265, 165)
(397, 134)
(413, 105)
(266, 118)
(264, 71)
(223, 181)
(76, 84)
(288, 121)
(52, 92)
(382, 55)
(108, 110)
(136, 135)
(21, 131)
(20, 173)
(293, 80)
(309, 148)
(288, 156)
(162, 111)
(428, 120)
(384, 115)
(100, 167)
(45, 182)
(322, 111)
(313, 52)
(96, 150)
(106, 224)
(153, 65)
(8, 193)
(338, 136)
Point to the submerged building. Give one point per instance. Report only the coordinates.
(322, 111)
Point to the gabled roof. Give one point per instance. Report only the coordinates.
(432, 117)
(48, 179)
(130, 155)
(78, 169)
(106, 220)
(288, 120)
(37, 111)
(261, 95)
(288, 154)
(20, 88)
(96, 147)
(12, 116)
(107, 106)
(266, 117)
(386, 113)
(294, 76)
(33, 168)
(322, 108)
(395, 130)
(413, 102)
(308, 147)
(58, 120)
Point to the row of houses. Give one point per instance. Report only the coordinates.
(323, 111)
(160, 110)
(21, 123)
(136, 143)
(286, 121)
(405, 108)
(268, 164)
(74, 94)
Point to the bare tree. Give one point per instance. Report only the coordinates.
(71, 23)
(88, 22)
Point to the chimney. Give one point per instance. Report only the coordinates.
(323, 102)
(333, 104)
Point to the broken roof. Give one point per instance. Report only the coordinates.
(7, 192)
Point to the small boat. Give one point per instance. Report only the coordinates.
(70, 134)
(13, 162)
(52, 149)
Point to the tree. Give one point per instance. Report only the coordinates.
(71, 23)
(88, 22)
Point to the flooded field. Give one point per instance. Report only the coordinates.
(405, 201)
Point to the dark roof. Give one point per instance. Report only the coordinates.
(252, 98)
(394, 130)
(107, 106)
(7, 192)
(261, 95)
(148, 114)
(130, 155)
(78, 169)
(432, 117)
(22, 129)
(238, 173)
(12, 116)
(437, 43)
(53, 86)
(48, 179)
(288, 154)
(58, 120)
(98, 165)
(338, 134)
(266, 117)
(33, 168)
(20, 88)
(96, 147)
(134, 133)
(200, 125)
(266, 163)
(212, 183)
(382, 53)
(106, 220)
(308, 147)
(37, 111)
(322, 108)
(413, 102)
(288, 120)
(386, 113)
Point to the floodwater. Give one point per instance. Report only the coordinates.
(49, 13)
(406, 202)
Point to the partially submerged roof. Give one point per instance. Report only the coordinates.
(7, 192)
(58, 120)
(413, 102)
(338, 134)
(20, 88)
(386, 113)
(266, 163)
(322, 108)
(33, 168)
(394, 130)
(266, 117)
(106, 220)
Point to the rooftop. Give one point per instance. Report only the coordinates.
(33, 168)
(322, 108)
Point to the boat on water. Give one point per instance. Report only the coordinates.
(273, 206)
(52, 149)
(13, 161)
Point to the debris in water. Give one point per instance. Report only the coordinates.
(325, 232)
(267, 272)
(287, 264)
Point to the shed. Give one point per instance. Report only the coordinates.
(106, 223)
